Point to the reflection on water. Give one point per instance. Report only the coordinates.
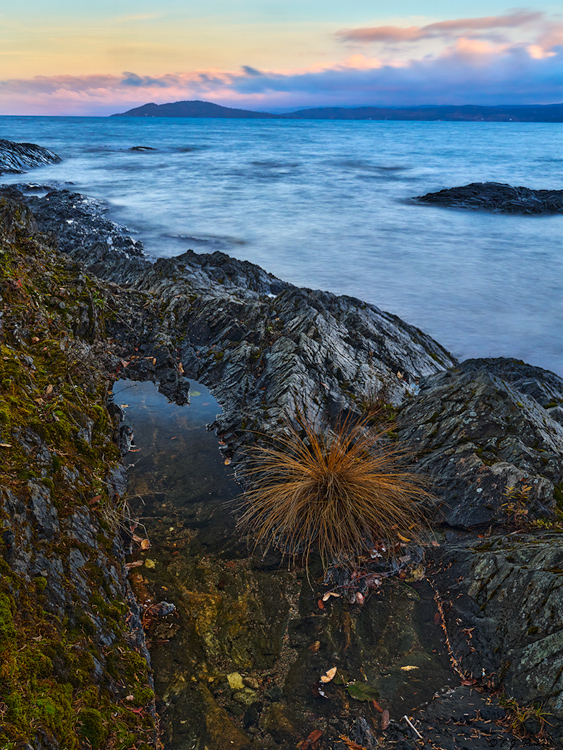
(175, 468)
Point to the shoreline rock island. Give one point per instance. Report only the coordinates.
(461, 648)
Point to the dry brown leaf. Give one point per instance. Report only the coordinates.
(134, 564)
(5, 445)
(385, 719)
(48, 390)
(95, 500)
(327, 596)
(314, 647)
(329, 675)
(350, 743)
(145, 544)
(408, 668)
(180, 368)
(34, 340)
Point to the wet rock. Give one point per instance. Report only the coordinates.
(499, 198)
(481, 433)
(19, 157)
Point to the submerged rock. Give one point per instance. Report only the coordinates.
(19, 157)
(497, 197)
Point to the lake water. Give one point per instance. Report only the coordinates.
(325, 205)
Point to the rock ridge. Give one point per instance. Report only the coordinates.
(19, 157)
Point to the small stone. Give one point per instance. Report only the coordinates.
(251, 682)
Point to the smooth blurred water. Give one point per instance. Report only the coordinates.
(325, 205)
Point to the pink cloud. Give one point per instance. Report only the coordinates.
(444, 29)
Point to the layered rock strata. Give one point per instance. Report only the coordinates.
(19, 157)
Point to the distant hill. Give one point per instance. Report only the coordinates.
(471, 113)
(193, 109)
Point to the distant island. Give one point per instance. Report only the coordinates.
(466, 113)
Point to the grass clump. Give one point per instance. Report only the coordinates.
(341, 492)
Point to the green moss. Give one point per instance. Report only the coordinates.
(7, 629)
(91, 726)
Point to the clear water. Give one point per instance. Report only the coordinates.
(324, 205)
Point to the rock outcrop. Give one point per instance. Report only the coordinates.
(19, 157)
(498, 198)
(489, 432)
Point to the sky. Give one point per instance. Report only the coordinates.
(72, 57)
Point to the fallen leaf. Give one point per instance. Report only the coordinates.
(329, 675)
(48, 390)
(34, 340)
(5, 445)
(377, 707)
(361, 691)
(95, 500)
(320, 605)
(472, 681)
(145, 544)
(350, 743)
(134, 564)
(315, 735)
(227, 461)
(314, 647)
(180, 368)
(403, 538)
(385, 720)
(327, 596)
(360, 598)
(408, 668)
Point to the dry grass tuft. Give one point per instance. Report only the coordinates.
(341, 492)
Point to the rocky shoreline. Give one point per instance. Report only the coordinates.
(483, 429)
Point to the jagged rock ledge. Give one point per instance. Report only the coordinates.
(497, 197)
(16, 158)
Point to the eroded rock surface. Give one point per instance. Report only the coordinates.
(484, 429)
(19, 157)
(503, 606)
(498, 198)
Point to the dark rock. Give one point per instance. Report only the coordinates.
(18, 157)
(497, 197)
(482, 434)
(503, 604)
(44, 511)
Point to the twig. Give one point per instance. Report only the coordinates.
(411, 725)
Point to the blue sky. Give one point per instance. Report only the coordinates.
(62, 57)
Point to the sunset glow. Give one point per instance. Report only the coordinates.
(56, 58)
